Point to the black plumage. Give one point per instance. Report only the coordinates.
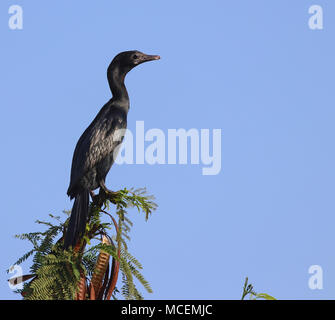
(97, 147)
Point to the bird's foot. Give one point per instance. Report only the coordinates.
(93, 195)
(96, 198)
(108, 194)
(105, 194)
(106, 190)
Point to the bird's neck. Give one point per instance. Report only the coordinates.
(116, 83)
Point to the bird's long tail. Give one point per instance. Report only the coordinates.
(78, 218)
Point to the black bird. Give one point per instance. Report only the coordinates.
(96, 149)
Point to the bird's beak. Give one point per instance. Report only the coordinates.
(148, 57)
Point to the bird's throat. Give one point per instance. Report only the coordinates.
(116, 79)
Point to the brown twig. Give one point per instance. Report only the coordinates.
(102, 290)
(92, 293)
(100, 269)
(115, 264)
(82, 287)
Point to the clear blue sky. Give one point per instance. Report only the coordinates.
(252, 68)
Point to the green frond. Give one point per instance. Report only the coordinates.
(57, 272)
(23, 258)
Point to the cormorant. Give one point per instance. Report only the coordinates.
(96, 149)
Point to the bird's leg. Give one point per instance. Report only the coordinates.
(105, 193)
(106, 190)
(92, 194)
(95, 197)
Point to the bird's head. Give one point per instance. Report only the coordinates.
(127, 60)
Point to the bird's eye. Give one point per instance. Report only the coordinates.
(135, 56)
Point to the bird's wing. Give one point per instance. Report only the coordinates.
(97, 142)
